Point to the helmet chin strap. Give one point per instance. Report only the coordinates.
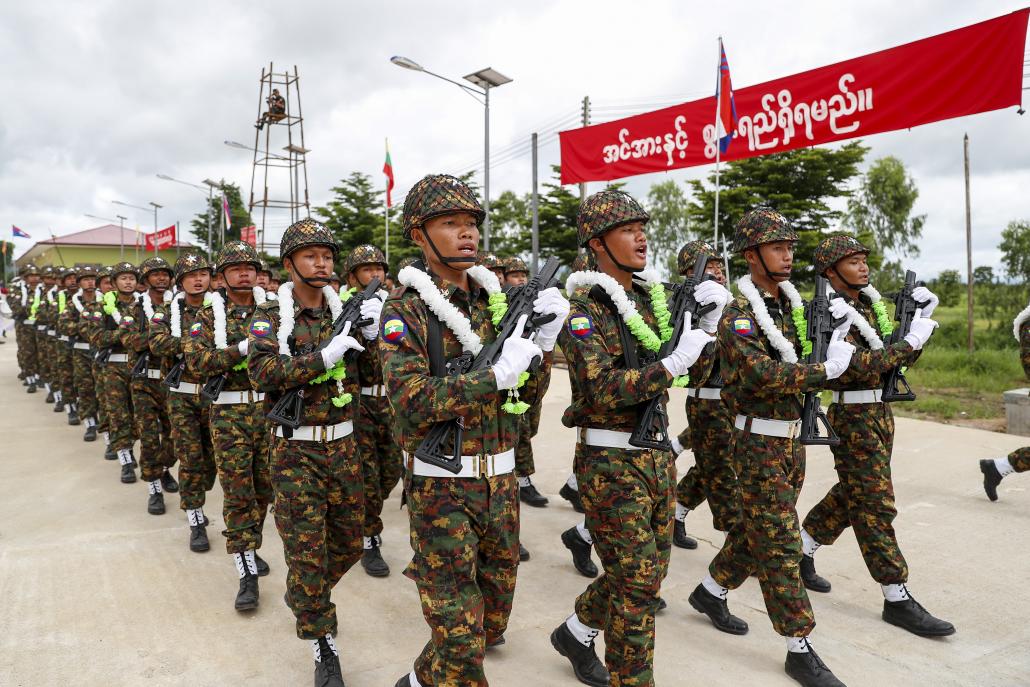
(769, 273)
(313, 282)
(439, 255)
(624, 268)
(853, 287)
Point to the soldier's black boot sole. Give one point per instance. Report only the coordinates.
(680, 538)
(573, 497)
(718, 611)
(580, 552)
(588, 668)
(992, 478)
(811, 579)
(128, 474)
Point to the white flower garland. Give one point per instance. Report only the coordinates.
(446, 311)
(1017, 324)
(24, 295)
(218, 308)
(614, 289)
(765, 322)
(284, 300)
(176, 323)
(50, 295)
(864, 328)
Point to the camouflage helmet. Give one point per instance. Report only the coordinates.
(307, 232)
(123, 267)
(69, 271)
(49, 271)
(237, 253)
(514, 264)
(584, 262)
(27, 269)
(334, 277)
(263, 268)
(435, 195)
(365, 254)
(190, 262)
(689, 254)
(833, 249)
(407, 262)
(84, 272)
(489, 260)
(761, 225)
(104, 271)
(606, 210)
(154, 264)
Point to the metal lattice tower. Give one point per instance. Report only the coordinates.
(281, 132)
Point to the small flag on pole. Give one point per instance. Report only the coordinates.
(18, 233)
(225, 210)
(726, 108)
(388, 171)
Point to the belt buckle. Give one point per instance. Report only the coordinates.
(325, 433)
(793, 430)
(483, 465)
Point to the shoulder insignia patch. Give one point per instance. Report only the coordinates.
(195, 328)
(744, 326)
(394, 329)
(580, 325)
(158, 316)
(260, 327)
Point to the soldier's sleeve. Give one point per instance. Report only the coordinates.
(202, 358)
(741, 345)
(134, 329)
(532, 392)
(104, 334)
(416, 395)
(587, 351)
(162, 342)
(65, 322)
(269, 371)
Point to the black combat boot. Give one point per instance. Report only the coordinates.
(31, 387)
(262, 567)
(73, 415)
(679, 536)
(110, 453)
(588, 668)
(198, 539)
(156, 504)
(530, 496)
(572, 496)
(372, 560)
(717, 610)
(327, 666)
(247, 597)
(992, 478)
(910, 615)
(404, 681)
(809, 670)
(811, 578)
(168, 482)
(91, 433)
(58, 406)
(523, 553)
(49, 397)
(580, 552)
(128, 474)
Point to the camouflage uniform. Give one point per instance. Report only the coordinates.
(89, 328)
(627, 493)
(188, 412)
(64, 372)
(864, 496)
(23, 309)
(464, 530)
(239, 430)
(708, 433)
(75, 324)
(316, 474)
(1020, 459)
(45, 323)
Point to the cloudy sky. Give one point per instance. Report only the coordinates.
(100, 97)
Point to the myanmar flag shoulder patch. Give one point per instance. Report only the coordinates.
(744, 326)
(394, 329)
(260, 327)
(158, 316)
(195, 329)
(580, 325)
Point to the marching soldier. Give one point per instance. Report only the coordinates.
(217, 347)
(115, 317)
(45, 332)
(105, 284)
(570, 490)
(491, 262)
(316, 467)
(334, 281)
(380, 454)
(74, 326)
(464, 527)
(616, 327)
(708, 434)
(63, 350)
(25, 308)
(994, 470)
(188, 412)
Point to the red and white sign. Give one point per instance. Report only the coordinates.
(165, 238)
(249, 235)
(978, 68)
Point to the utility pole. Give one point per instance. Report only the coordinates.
(535, 205)
(969, 252)
(586, 122)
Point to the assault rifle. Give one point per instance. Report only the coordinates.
(442, 444)
(895, 386)
(139, 370)
(289, 409)
(173, 379)
(820, 329)
(103, 354)
(652, 428)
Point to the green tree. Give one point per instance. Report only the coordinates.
(239, 217)
(983, 275)
(511, 223)
(883, 207)
(1015, 250)
(669, 227)
(948, 287)
(798, 183)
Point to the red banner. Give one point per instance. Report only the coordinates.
(974, 69)
(165, 238)
(249, 235)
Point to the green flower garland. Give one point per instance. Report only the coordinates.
(882, 321)
(498, 307)
(110, 302)
(338, 372)
(35, 307)
(646, 336)
(801, 324)
(62, 301)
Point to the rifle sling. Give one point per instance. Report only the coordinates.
(629, 344)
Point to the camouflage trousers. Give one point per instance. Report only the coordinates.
(711, 478)
(65, 372)
(43, 356)
(118, 403)
(240, 436)
(1020, 459)
(767, 539)
(465, 537)
(85, 385)
(863, 498)
(100, 391)
(190, 417)
(319, 512)
(381, 461)
(26, 335)
(529, 424)
(150, 411)
(628, 499)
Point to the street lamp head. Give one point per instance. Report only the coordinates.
(237, 144)
(488, 78)
(212, 184)
(165, 177)
(156, 206)
(406, 63)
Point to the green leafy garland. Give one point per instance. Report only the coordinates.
(498, 307)
(882, 320)
(801, 324)
(338, 372)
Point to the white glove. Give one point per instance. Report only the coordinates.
(920, 331)
(550, 302)
(921, 294)
(688, 350)
(371, 307)
(839, 308)
(338, 346)
(243, 346)
(516, 355)
(711, 292)
(839, 352)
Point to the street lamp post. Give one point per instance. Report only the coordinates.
(140, 207)
(156, 206)
(485, 79)
(121, 231)
(201, 189)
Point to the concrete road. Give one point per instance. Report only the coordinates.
(94, 591)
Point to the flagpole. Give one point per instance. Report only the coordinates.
(718, 151)
(386, 202)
